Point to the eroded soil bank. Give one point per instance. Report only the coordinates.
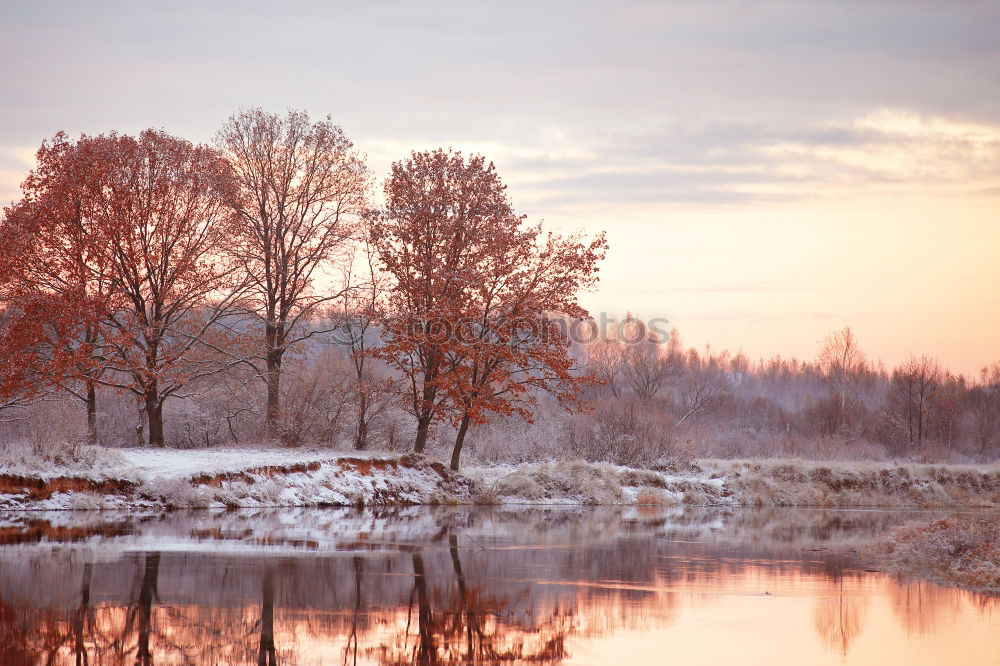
(142, 478)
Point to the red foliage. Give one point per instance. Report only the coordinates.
(52, 286)
(120, 238)
(476, 293)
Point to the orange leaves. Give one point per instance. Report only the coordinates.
(472, 311)
(122, 238)
(51, 289)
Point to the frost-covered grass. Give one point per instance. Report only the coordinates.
(963, 550)
(61, 458)
(92, 478)
(170, 478)
(744, 483)
(579, 482)
(857, 484)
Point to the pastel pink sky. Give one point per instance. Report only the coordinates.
(766, 172)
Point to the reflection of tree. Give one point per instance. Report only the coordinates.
(471, 627)
(147, 593)
(427, 654)
(352, 640)
(918, 605)
(466, 621)
(25, 637)
(16, 638)
(463, 596)
(265, 653)
(390, 603)
(838, 618)
(80, 617)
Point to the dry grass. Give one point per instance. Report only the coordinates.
(857, 484)
(651, 497)
(770, 483)
(963, 551)
(56, 458)
(574, 482)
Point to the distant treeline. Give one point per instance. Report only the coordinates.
(838, 405)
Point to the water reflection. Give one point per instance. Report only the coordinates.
(451, 585)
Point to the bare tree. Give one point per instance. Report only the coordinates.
(302, 187)
(843, 364)
(914, 384)
(701, 385)
(362, 306)
(648, 367)
(606, 361)
(984, 403)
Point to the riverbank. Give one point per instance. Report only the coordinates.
(91, 478)
(961, 550)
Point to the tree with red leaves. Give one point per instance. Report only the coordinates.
(53, 286)
(113, 271)
(473, 287)
(161, 205)
(514, 341)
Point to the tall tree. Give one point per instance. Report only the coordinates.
(301, 187)
(53, 281)
(512, 341)
(161, 207)
(843, 364)
(914, 384)
(362, 307)
(648, 366)
(437, 230)
(984, 402)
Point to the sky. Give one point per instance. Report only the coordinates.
(766, 172)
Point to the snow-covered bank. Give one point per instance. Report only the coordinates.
(171, 478)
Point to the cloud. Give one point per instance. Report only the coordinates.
(747, 163)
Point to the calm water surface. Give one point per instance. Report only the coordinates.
(451, 585)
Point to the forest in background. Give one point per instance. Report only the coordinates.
(155, 292)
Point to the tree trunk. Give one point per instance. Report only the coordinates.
(459, 440)
(91, 412)
(140, 421)
(273, 413)
(429, 392)
(361, 437)
(272, 357)
(920, 421)
(154, 418)
(423, 430)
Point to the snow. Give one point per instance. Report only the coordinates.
(154, 479)
(221, 478)
(149, 464)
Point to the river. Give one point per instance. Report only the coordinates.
(557, 584)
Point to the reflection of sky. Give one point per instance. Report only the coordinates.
(603, 585)
(721, 617)
(731, 150)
